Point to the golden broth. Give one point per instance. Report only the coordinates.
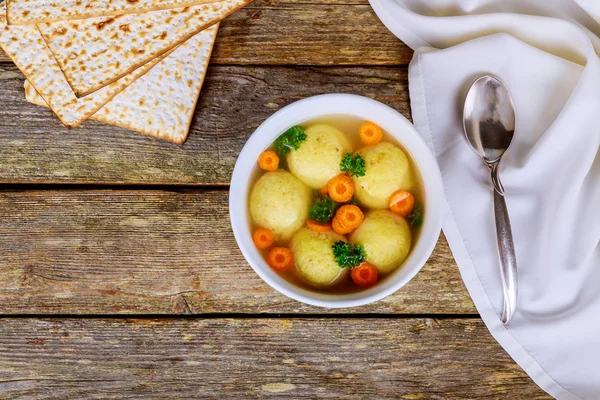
(349, 126)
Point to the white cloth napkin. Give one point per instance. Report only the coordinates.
(546, 53)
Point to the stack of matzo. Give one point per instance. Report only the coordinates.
(136, 64)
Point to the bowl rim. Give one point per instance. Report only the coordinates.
(329, 105)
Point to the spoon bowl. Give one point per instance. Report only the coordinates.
(489, 118)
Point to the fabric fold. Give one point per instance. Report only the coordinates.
(546, 54)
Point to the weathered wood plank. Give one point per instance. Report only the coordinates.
(308, 33)
(132, 252)
(249, 358)
(36, 148)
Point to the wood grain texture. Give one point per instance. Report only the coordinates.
(265, 358)
(321, 32)
(36, 148)
(135, 252)
(132, 252)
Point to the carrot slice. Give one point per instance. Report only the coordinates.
(347, 218)
(280, 259)
(339, 228)
(317, 226)
(365, 275)
(370, 133)
(324, 189)
(341, 188)
(401, 202)
(263, 238)
(268, 160)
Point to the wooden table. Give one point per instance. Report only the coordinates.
(120, 277)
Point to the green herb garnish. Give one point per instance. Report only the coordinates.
(323, 210)
(348, 255)
(290, 139)
(353, 163)
(415, 218)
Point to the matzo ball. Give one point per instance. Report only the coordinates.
(280, 202)
(319, 156)
(387, 169)
(386, 239)
(313, 255)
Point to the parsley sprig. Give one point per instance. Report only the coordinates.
(353, 163)
(290, 139)
(348, 255)
(415, 218)
(323, 210)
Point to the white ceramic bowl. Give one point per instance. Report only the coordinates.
(320, 106)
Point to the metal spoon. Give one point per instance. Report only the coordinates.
(489, 123)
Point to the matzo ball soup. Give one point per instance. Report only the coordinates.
(336, 205)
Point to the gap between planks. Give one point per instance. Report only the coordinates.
(161, 187)
(242, 316)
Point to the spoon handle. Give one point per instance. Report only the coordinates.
(506, 250)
